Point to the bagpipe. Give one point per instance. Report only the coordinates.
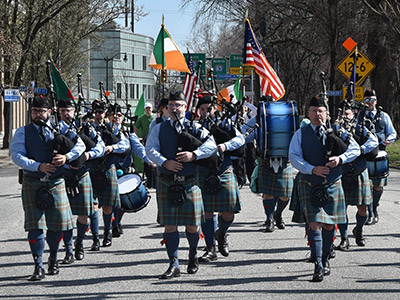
(334, 142)
(62, 144)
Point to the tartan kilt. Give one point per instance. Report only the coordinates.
(332, 213)
(82, 204)
(362, 194)
(276, 184)
(110, 195)
(58, 218)
(227, 199)
(295, 204)
(189, 213)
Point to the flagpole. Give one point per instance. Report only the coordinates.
(242, 86)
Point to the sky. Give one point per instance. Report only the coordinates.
(177, 22)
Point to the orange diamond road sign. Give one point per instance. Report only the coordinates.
(363, 68)
(349, 44)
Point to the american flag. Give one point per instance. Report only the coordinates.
(190, 83)
(253, 56)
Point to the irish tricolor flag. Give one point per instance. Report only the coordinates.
(166, 55)
(233, 90)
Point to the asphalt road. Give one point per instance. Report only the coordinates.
(260, 265)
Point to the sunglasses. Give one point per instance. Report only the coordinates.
(369, 99)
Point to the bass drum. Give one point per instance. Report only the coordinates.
(278, 122)
(378, 168)
(134, 195)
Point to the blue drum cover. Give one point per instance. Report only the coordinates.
(278, 122)
(379, 167)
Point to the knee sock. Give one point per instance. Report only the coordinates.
(67, 237)
(121, 214)
(215, 218)
(269, 207)
(315, 238)
(36, 242)
(53, 240)
(371, 210)
(94, 224)
(116, 217)
(343, 228)
(376, 196)
(107, 222)
(172, 244)
(81, 228)
(223, 225)
(360, 221)
(208, 231)
(327, 242)
(280, 206)
(193, 239)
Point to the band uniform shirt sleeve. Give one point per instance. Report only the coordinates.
(153, 146)
(369, 144)
(352, 152)
(391, 133)
(137, 147)
(208, 147)
(18, 152)
(236, 142)
(296, 155)
(100, 148)
(123, 145)
(252, 136)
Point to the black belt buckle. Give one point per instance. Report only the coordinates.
(178, 178)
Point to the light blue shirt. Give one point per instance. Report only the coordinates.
(123, 145)
(391, 132)
(18, 149)
(296, 153)
(369, 144)
(153, 144)
(137, 147)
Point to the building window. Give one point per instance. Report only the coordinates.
(119, 91)
(144, 63)
(137, 91)
(133, 62)
(126, 91)
(132, 91)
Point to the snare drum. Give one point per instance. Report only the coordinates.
(133, 193)
(278, 122)
(379, 166)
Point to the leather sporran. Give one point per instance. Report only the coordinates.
(349, 181)
(100, 179)
(177, 194)
(72, 186)
(44, 199)
(319, 196)
(212, 184)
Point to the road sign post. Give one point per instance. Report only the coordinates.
(363, 68)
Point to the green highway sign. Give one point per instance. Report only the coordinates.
(196, 57)
(219, 65)
(235, 62)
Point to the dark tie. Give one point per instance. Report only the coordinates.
(319, 131)
(42, 134)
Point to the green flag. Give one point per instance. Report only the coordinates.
(60, 86)
(237, 88)
(140, 106)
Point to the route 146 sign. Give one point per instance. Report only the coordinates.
(363, 69)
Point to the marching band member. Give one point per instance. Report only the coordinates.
(386, 135)
(319, 186)
(44, 197)
(225, 201)
(178, 194)
(79, 185)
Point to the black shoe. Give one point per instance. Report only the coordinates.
(53, 267)
(38, 274)
(344, 244)
(171, 272)
(279, 221)
(115, 232)
(360, 241)
(68, 259)
(332, 253)
(223, 246)
(327, 268)
(79, 253)
(376, 219)
(107, 241)
(120, 229)
(193, 265)
(96, 245)
(318, 273)
(209, 255)
(270, 227)
(370, 221)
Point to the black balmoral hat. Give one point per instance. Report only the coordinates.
(177, 96)
(369, 93)
(205, 99)
(97, 105)
(317, 101)
(39, 101)
(66, 103)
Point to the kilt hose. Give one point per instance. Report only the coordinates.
(332, 213)
(58, 218)
(189, 213)
(227, 199)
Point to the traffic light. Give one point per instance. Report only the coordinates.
(209, 75)
(163, 76)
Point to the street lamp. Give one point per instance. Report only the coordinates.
(111, 58)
